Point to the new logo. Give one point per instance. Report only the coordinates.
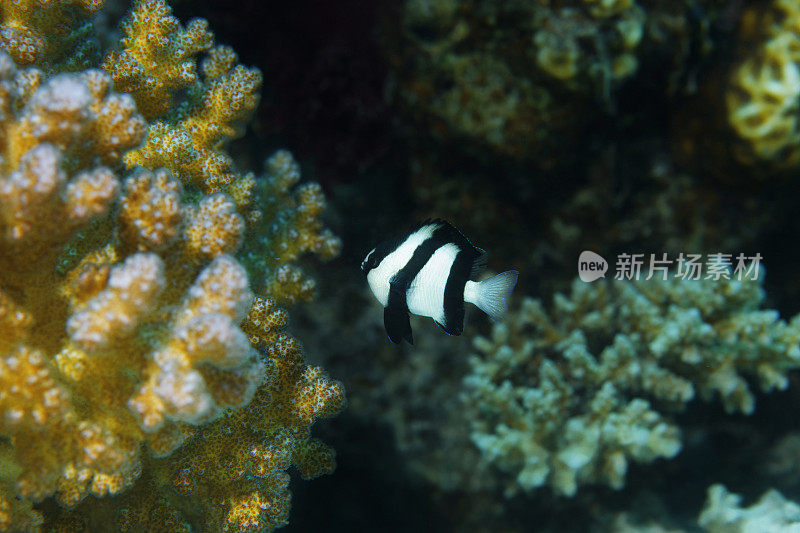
(591, 266)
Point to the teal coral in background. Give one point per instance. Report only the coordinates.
(772, 513)
(570, 397)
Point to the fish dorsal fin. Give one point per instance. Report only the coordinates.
(479, 263)
(449, 233)
(446, 232)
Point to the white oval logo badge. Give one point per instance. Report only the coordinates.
(591, 266)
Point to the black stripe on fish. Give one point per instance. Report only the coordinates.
(460, 272)
(381, 251)
(395, 316)
(468, 263)
(396, 319)
(450, 233)
(447, 233)
(402, 280)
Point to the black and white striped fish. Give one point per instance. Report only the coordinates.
(429, 272)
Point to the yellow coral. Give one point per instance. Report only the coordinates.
(71, 455)
(150, 210)
(63, 127)
(188, 145)
(288, 285)
(287, 224)
(157, 57)
(263, 320)
(764, 105)
(213, 227)
(229, 99)
(763, 97)
(251, 449)
(204, 331)
(31, 30)
(16, 513)
(69, 108)
(131, 291)
(233, 472)
(122, 311)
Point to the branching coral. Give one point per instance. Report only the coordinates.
(126, 316)
(71, 123)
(50, 187)
(560, 51)
(233, 471)
(156, 61)
(570, 397)
(259, 443)
(157, 56)
(281, 217)
(36, 31)
(763, 97)
(723, 513)
(284, 218)
(204, 332)
(463, 77)
(515, 76)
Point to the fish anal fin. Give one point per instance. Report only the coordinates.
(397, 323)
(444, 328)
(455, 329)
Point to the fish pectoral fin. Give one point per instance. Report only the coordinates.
(397, 323)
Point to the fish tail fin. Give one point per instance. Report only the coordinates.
(491, 294)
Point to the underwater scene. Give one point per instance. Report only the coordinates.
(497, 266)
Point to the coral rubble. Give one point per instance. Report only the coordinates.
(139, 356)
